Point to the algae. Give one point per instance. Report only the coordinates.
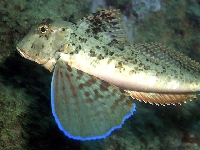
(176, 26)
(13, 105)
(26, 121)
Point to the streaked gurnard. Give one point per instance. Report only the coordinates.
(96, 72)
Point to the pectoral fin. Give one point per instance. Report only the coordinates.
(84, 107)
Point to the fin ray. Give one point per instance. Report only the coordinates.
(159, 54)
(84, 107)
(107, 22)
(162, 98)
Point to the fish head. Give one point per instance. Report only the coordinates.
(44, 40)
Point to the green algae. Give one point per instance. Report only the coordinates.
(13, 105)
(175, 26)
(26, 121)
(118, 3)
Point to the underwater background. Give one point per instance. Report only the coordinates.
(26, 121)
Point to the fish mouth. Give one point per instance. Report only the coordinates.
(23, 54)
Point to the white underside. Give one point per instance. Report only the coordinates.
(134, 82)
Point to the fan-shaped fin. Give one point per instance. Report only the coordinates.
(107, 22)
(84, 107)
(162, 98)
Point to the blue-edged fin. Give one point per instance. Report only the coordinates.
(84, 107)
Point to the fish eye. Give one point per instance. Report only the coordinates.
(43, 29)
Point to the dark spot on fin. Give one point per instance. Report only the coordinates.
(105, 21)
(159, 54)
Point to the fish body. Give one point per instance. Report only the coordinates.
(93, 56)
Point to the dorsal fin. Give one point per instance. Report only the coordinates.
(106, 22)
(159, 54)
(162, 98)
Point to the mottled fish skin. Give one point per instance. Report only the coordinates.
(96, 45)
(44, 41)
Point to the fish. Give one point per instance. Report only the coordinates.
(97, 74)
